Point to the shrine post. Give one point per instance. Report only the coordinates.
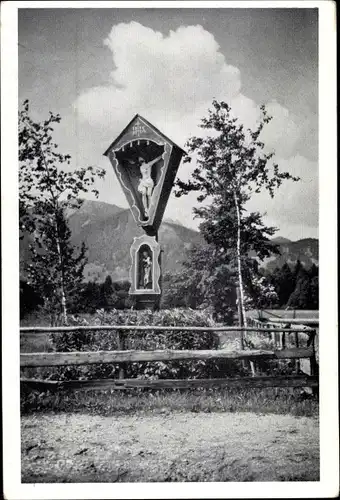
(145, 162)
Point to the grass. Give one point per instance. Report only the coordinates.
(107, 403)
(37, 342)
(35, 319)
(39, 319)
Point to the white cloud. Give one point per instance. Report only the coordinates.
(294, 202)
(171, 80)
(282, 133)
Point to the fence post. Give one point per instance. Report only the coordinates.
(242, 339)
(121, 347)
(269, 333)
(297, 362)
(313, 364)
(273, 335)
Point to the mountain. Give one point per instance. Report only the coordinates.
(280, 240)
(305, 250)
(108, 231)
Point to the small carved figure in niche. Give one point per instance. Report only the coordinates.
(146, 184)
(146, 270)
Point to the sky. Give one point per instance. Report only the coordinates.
(99, 67)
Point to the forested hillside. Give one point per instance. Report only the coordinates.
(108, 232)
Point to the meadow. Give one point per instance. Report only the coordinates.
(294, 401)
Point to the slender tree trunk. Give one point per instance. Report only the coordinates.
(59, 251)
(62, 284)
(239, 273)
(60, 256)
(238, 257)
(239, 313)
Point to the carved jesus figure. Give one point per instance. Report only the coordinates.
(146, 184)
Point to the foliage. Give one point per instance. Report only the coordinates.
(260, 293)
(180, 289)
(86, 298)
(107, 295)
(231, 166)
(174, 290)
(147, 340)
(284, 282)
(297, 269)
(314, 293)
(194, 290)
(45, 270)
(213, 278)
(42, 180)
(202, 283)
(297, 288)
(306, 291)
(89, 298)
(29, 299)
(46, 190)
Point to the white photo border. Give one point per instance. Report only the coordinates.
(329, 473)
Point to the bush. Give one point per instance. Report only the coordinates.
(147, 340)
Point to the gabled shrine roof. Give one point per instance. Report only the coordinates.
(155, 129)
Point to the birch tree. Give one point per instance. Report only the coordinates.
(232, 166)
(47, 189)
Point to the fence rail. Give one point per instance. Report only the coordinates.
(296, 321)
(277, 330)
(129, 356)
(52, 359)
(115, 384)
(66, 329)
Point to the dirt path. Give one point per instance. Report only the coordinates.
(169, 447)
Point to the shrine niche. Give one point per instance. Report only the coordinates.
(140, 165)
(145, 162)
(145, 270)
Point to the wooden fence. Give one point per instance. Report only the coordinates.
(276, 329)
(52, 359)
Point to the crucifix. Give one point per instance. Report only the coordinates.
(145, 162)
